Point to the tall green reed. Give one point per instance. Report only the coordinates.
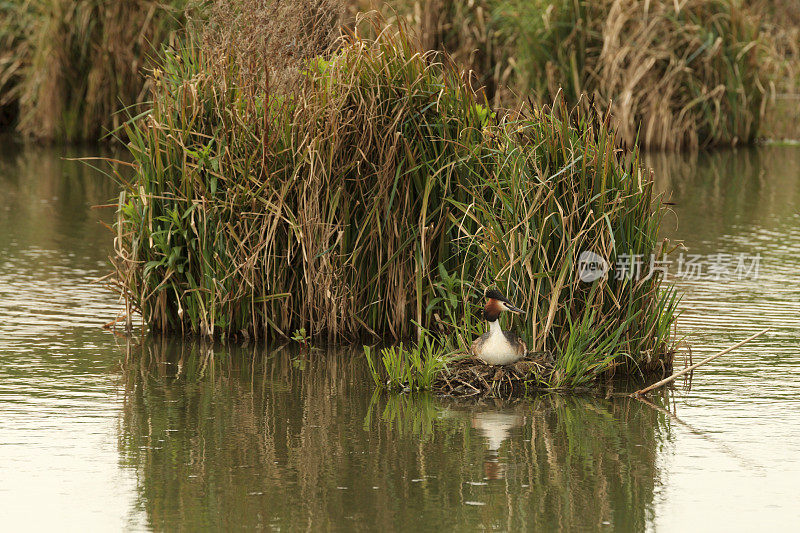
(377, 194)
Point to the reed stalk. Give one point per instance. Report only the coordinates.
(693, 367)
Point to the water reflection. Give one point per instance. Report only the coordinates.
(224, 436)
(52, 244)
(739, 198)
(495, 426)
(101, 433)
(46, 205)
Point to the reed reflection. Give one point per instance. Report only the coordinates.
(244, 437)
(46, 203)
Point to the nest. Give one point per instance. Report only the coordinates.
(471, 377)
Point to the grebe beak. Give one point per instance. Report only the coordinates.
(513, 309)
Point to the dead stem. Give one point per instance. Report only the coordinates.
(697, 365)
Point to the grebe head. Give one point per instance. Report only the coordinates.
(496, 303)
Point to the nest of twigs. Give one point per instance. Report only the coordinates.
(471, 377)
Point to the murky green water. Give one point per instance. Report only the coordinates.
(99, 432)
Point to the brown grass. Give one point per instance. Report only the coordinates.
(683, 74)
(680, 74)
(782, 22)
(469, 32)
(71, 66)
(269, 43)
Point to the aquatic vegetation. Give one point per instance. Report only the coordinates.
(379, 196)
(68, 68)
(375, 136)
(561, 190)
(584, 356)
(408, 367)
(679, 74)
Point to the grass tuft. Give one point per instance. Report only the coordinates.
(408, 368)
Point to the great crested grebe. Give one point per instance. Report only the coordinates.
(498, 347)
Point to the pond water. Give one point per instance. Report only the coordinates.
(100, 432)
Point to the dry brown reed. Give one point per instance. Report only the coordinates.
(781, 21)
(470, 33)
(339, 140)
(680, 74)
(269, 42)
(685, 77)
(69, 68)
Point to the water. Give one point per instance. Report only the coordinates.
(106, 433)
(738, 463)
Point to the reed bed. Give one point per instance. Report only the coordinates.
(69, 68)
(377, 197)
(781, 19)
(681, 75)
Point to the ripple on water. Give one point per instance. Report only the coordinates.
(307, 446)
(744, 406)
(59, 398)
